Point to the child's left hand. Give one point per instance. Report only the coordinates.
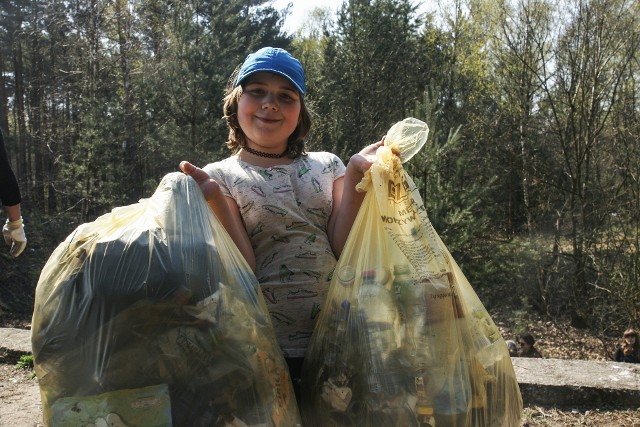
(362, 161)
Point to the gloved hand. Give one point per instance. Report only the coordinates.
(13, 232)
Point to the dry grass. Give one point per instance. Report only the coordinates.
(535, 416)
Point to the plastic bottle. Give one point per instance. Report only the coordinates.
(378, 307)
(424, 407)
(410, 303)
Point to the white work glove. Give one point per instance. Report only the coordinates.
(13, 232)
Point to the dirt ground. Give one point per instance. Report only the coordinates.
(19, 398)
(20, 407)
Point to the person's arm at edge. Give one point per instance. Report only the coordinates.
(13, 212)
(224, 208)
(9, 190)
(346, 199)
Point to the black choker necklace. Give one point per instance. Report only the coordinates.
(263, 154)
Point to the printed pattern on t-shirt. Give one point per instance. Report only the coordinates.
(286, 211)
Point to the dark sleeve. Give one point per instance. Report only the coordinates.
(618, 355)
(9, 190)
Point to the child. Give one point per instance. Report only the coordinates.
(629, 350)
(288, 211)
(527, 348)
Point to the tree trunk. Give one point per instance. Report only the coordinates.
(20, 118)
(4, 118)
(131, 163)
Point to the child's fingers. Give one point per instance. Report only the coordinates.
(210, 189)
(186, 167)
(371, 148)
(194, 172)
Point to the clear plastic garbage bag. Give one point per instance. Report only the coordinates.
(403, 340)
(155, 298)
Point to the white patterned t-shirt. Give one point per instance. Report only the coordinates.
(286, 211)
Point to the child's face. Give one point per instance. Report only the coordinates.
(268, 111)
(630, 339)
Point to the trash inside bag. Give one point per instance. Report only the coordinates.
(155, 300)
(403, 340)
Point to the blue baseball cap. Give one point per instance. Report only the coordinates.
(273, 60)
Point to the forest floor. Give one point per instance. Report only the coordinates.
(555, 339)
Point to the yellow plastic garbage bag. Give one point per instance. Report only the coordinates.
(403, 339)
(155, 298)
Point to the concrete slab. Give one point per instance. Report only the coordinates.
(571, 384)
(15, 340)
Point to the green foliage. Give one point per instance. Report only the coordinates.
(372, 85)
(456, 211)
(530, 174)
(25, 362)
(521, 316)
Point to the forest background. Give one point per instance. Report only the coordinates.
(531, 174)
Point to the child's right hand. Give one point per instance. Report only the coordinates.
(224, 208)
(210, 189)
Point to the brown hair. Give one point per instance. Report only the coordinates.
(237, 139)
(631, 349)
(528, 338)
